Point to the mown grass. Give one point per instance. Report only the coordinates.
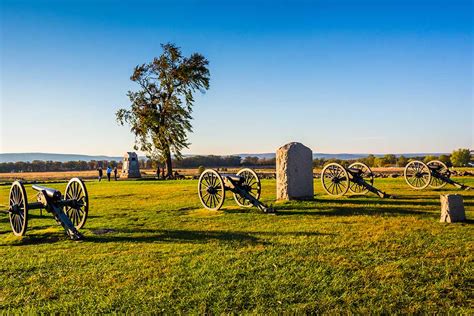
(151, 248)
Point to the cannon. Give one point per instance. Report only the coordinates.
(245, 187)
(434, 174)
(357, 178)
(70, 210)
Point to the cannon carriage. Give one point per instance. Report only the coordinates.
(358, 179)
(245, 187)
(70, 210)
(435, 174)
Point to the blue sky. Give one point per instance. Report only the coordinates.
(339, 76)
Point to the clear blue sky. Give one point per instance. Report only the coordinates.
(339, 76)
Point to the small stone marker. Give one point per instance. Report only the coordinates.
(452, 208)
(130, 166)
(294, 172)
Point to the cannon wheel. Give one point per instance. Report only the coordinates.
(211, 189)
(251, 184)
(417, 175)
(443, 170)
(366, 175)
(18, 208)
(76, 190)
(335, 179)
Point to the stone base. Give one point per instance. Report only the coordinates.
(130, 175)
(452, 208)
(294, 172)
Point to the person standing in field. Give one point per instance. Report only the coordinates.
(109, 171)
(158, 172)
(115, 173)
(100, 173)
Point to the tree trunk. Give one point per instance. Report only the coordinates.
(169, 167)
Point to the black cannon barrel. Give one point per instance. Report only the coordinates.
(52, 193)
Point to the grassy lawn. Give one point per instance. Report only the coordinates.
(152, 248)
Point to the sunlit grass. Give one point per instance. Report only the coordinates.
(150, 247)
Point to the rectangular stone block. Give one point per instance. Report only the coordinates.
(294, 172)
(452, 208)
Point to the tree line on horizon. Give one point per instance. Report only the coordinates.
(187, 162)
(458, 158)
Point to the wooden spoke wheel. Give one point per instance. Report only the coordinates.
(211, 189)
(77, 208)
(417, 175)
(335, 179)
(251, 184)
(440, 168)
(18, 202)
(365, 174)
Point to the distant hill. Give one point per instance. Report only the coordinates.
(14, 157)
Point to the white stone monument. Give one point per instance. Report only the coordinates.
(294, 172)
(130, 166)
(452, 208)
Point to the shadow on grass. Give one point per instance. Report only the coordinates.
(324, 208)
(422, 200)
(243, 210)
(344, 211)
(212, 232)
(50, 238)
(5, 219)
(187, 236)
(50, 216)
(189, 208)
(180, 236)
(334, 207)
(144, 236)
(385, 202)
(366, 205)
(140, 235)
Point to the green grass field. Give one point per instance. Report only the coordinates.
(150, 247)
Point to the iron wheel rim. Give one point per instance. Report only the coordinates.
(211, 190)
(18, 202)
(76, 190)
(335, 179)
(367, 176)
(251, 181)
(435, 182)
(417, 175)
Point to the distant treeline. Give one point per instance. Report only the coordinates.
(42, 166)
(459, 157)
(207, 161)
(385, 161)
(222, 161)
(188, 162)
